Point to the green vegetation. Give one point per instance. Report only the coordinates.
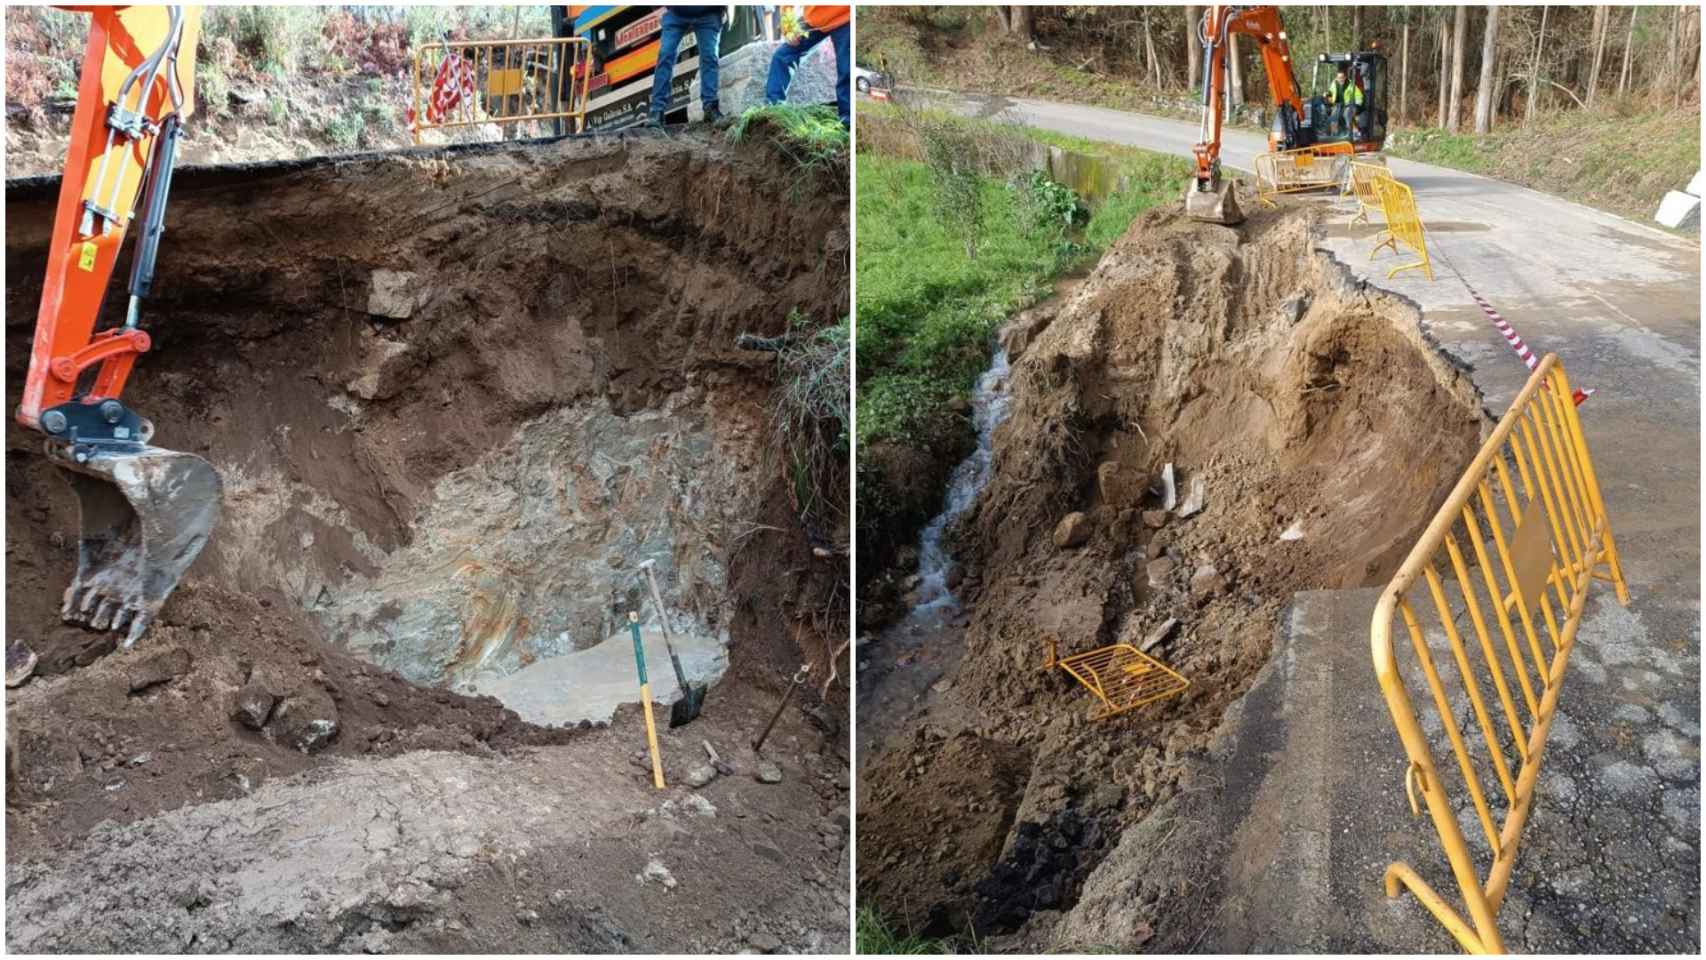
(813, 419)
(874, 936)
(345, 129)
(1616, 163)
(812, 137)
(933, 286)
(926, 309)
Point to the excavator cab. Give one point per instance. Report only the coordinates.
(1325, 122)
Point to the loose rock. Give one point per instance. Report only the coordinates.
(306, 720)
(1072, 531)
(1159, 570)
(1206, 581)
(253, 705)
(768, 772)
(157, 668)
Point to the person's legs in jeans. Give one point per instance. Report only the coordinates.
(842, 37)
(709, 32)
(783, 62)
(668, 44)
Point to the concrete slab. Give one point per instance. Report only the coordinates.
(1679, 211)
(590, 684)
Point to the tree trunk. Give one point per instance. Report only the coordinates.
(1356, 28)
(1404, 76)
(1601, 23)
(1628, 45)
(1444, 46)
(1460, 31)
(1484, 96)
(1001, 14)
(1533, 70)
(1235, 91)
(1022, 23)
(1193, 49)
(1149, 49)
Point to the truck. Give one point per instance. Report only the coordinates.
(625, 43)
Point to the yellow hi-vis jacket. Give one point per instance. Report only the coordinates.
(1347, 92)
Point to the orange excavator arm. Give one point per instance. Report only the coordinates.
(137, 84)
(145, 512)
(1263, 25)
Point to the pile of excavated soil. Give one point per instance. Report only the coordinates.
(221, 696)
(455, 396)
(1323, 431)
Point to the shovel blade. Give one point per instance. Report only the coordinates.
(686, 710)
(1216, 205)
(144, 516)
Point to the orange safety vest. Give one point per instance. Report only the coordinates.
(824, 19)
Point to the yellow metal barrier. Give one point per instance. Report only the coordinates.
(1403, 225)
(506, 82)
(1360, 176)
(1119, 676)
(1293, 171)
(1532, 488)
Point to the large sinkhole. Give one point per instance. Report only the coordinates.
(1317, 431)
(458, 397)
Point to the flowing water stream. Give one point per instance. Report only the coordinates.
(914, 654)
(989, 408)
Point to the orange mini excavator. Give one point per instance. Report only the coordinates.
(145, 512)
(1297, 123)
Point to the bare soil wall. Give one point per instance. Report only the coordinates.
(455, 396)
(1304, 403)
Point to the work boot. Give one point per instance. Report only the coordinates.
(654, 121)
(713, 113)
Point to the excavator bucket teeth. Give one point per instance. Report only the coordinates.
(145, 514)
(1219, 205)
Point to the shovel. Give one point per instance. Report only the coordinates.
(685, 710)
(145, 514)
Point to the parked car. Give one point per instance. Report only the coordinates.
(865, 81)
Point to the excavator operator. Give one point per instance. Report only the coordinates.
(1344, 97)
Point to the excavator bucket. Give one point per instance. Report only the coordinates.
(145, 515)
(1216, 205)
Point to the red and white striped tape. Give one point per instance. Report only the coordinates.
(1523, 353)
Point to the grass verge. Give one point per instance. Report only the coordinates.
(1623, 164)
(929, 304)
(874, 936)
(811, 136)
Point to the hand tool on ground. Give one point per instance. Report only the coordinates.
(799, 678)
(686, 709)
(646, 698)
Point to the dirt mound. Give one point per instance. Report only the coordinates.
(1319, 432)
(224, 695)
(455, 397)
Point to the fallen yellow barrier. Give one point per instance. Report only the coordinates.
(1533, 489)
(1119, 676)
